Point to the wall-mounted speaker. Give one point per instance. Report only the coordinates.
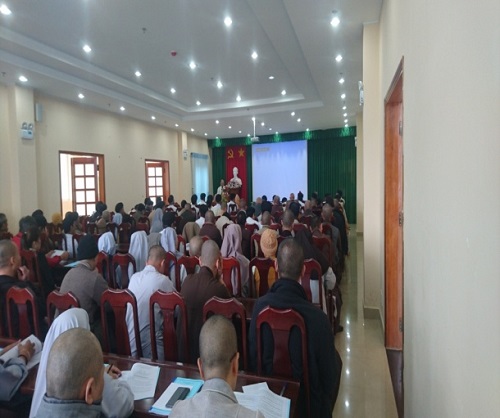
(38, 112)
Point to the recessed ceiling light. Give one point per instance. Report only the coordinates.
(192, 130)
(192, 65)
(205, 134)
(346, 125)
(87, 49)
(255, 55)
(345, 114)
(345, 120)
(138, 73)
(277, 133)
(283, 92)
(217, 122)
(228, 21)
(122, 108)
(5, 10)
(298, 119)
(253, 118)
(176, 125)
(270, 129)
(172, 90)
(344, 107)
(338, 58)
(342, 96)
(335, 21)
(23, 79)
(229, 127)
(198, 103)
(219, 84)
(238, 98)
(239, 132)
(262, 124)
(248, 135)
(341, 81)
(81, 96)
(153, 117)
(271, 77)
(293, 113)
(307, 130)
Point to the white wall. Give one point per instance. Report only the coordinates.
(360, 194)
(451, 200)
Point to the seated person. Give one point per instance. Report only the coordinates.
(269, 246)
(103, 222)
(143, 284)
(4, 227)
(25, 223)
(218, 366)
(14, 371)
(171, 206)
(100, 207)
(75, 379)
(231, 247)
(210, 230)
(287, 224)
(246, 235)
(203, 209)
(139, 212)
(216, 209)
(225, 218)
(231, 205)
(251, 218)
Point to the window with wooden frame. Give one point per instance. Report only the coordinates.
(157, 179)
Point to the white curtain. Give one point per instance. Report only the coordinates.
(199, 171)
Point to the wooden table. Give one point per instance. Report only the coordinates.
(170, 370)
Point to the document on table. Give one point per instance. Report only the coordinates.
(56, 253)
(14, 352)
(260, 397)
(159, 406)
(142, 379)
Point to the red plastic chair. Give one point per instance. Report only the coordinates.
(229, 265)
(142, 227)
(311, 266)
(306, 220)
(124, 232)
(205, 238)
(76, 240)
(60, 302)
(91, 228)
(281, 323)
(18, 300)
(251, 227)
(299, 227)
(123, 261)
(103, 264)
(30, 260)
(118, 300)
(60, 241)
(262, 265)
(233, 310)
(181, 240)
(255, 245)
(190, 263)
(173, 348)
(169, 259)
(276, 227)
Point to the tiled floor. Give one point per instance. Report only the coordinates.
(366, 388)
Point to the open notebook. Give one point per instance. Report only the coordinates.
(14, 352)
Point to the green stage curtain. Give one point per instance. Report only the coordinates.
(331, 165)
(218, 167)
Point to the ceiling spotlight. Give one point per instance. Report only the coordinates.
(239, 132)
(248, 135)
(262, 124)
(253, 118)
(271, 77)
(219, 84)
(172, 90)
(229, 127)
(298, 119)
(342, 96)
(335, 21)
(277, 133)
(81, 96)
(205, 134)
(192, 130)
(345, 120)
(198, 103)
(346, 125)
(283, 92)
(122, 108)
(228, 21)
(87, 48)
(338, 58)
(307, 130)
(138, 73)
(176, 125)
(217, 122)
(344, 107)
(238, 98)
(192, 65)
(293, 113)
(23, 79)
(5, 10)
(255, 55)
(341, 81)
(345, 114)
(153, 117)
(270, 129)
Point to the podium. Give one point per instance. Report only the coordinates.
(235, 190)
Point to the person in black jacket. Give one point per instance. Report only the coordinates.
(324, 363)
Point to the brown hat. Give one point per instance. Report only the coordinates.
(269, 242)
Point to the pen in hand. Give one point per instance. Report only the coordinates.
(114, 371)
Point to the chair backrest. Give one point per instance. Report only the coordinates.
(324, 244)
(230, 265)
(91, 228)
(306, 220)
(251, 228)
(312, 266)
(281, 322)
(122, 261)
(124, 232)
(60, 302)
(170, 260)
(181, 240)
(59, 241)
(233, 310)
(103, 264)
(170, 305)
(255, 250)
(112, 227)
(205, 238)
(276, 227)
(143, 220)
(118, 300)
(142, 226)
(262, 265)
(75, 241)
(299, 227)
(30, 260)
(21, 304)
(189, 262)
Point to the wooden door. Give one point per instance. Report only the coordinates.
(394, 213)
(85, 184)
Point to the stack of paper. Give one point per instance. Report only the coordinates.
(194, 385)
(142, 380)
(260, 397)
(14, 352)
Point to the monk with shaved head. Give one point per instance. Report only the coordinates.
(218, 365)
(198, 288)
(75, 380)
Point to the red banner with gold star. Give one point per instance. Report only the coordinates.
(236, 157)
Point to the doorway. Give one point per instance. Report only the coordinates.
(393, 232)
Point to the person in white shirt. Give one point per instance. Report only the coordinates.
(251, 218)
(201, 220)
(143, 284)
(217, 209)
(220, 189)
(202, 200)
(171, 205)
